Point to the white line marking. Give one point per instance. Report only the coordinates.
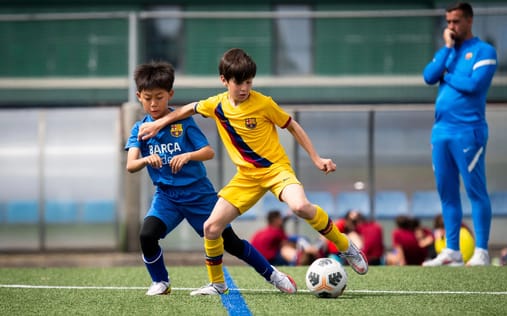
(429, 292)
(72, 287)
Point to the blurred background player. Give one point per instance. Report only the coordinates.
(464, 69)
(270, 239)
(366, 234)
(410, 242)
(466, 238)
(247, 122)
(279, 248)
(372, 234)
(183, 191)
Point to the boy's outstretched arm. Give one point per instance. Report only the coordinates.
(150, 129)
(324, 164)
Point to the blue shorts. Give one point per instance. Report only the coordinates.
(193, 203)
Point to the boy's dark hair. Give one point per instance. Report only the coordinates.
(438, 221)
(465, 7)
(156, 74)
(404, 222)
(238, 65)
(273, 215)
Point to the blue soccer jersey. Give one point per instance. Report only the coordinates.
(188, 194)
(177, 138)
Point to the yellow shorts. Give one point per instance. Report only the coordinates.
(250, 184)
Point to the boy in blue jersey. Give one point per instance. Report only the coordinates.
(174, 159)
(464, 69)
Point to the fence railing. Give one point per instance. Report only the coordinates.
(321, 77)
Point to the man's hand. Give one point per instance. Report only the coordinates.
(449, 37)
(148, 130)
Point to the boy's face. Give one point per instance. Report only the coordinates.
(155, 101)
(238, 92)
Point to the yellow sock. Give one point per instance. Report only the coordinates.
(323, 224)
(214, 249)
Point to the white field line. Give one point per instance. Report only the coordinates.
(404, 292)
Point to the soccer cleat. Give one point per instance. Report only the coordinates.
(159, 288)
(355, 258)
(447, 257)
(480, 258)
(284, 282)
(211, 289)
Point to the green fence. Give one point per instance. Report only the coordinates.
(87, 58)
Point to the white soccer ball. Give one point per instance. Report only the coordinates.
(326, 278)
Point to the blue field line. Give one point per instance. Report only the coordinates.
(234, 302)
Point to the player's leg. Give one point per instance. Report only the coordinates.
(161, 219)
(290, 190)
(236, 197)
(223, 213)
(294, 196)
(447, 182)
(243, 250)
(151, 231)
(470, 154)
(284, 184)
(198, 213)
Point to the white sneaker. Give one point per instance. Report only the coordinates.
(285, 283)
(355, 258)
(159, 288)
(480, 258)
(447, 257)
(211, 289)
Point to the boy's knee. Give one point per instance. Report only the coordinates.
(149, 243)
(212, 230)
(303, 209)
(151, 231)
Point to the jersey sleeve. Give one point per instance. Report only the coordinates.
(207, 107)
(195, 134)
(276, 114)
(132, 141)
(435, 69)
(482, 73)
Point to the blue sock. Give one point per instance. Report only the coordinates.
(156, 267)
(256, 260)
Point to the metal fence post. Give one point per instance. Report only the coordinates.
(130, 199)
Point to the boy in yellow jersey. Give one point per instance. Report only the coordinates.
(247, 121)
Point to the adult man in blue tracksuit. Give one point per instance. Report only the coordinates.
(464, 69)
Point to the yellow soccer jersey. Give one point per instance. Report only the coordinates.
(248, 130)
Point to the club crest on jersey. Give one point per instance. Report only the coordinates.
(250, 123)
(468, 55)
(176, 130)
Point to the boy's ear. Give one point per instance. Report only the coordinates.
(224, 81)
(171, 93)
(138, 95)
